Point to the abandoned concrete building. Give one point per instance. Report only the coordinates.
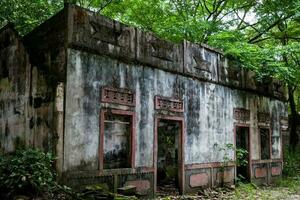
(119, 106)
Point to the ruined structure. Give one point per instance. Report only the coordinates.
(120, 106)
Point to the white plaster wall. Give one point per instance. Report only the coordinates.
(209, 122)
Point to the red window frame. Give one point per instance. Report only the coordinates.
(132, 135)
(270, 141)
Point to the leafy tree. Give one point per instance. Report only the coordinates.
(27, 14)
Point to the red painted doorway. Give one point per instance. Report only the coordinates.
(169, 154)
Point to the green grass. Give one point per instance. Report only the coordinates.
(291, 183)
(283, 188)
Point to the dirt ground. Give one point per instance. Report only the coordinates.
(284, 189)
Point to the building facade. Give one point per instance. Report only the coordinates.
(119, 106)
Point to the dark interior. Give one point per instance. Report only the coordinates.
(264, 143)
(242, 142)
(117, 135)
(167, 155)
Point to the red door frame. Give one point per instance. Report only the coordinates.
(181, 141)
(249, 146)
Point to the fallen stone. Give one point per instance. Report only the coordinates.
(129, 190)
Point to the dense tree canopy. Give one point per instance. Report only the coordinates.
(263, 35)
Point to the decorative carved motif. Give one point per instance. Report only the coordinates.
(103, 36)
(201, 64)
(234, 70)
(263, 117)
(264, 86)
(170, 104)
(118, 95)
(241, 114)
(233, 73)
(161, 49)
(105, 33)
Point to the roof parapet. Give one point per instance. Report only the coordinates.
(85, 30)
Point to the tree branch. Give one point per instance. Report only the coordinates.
(104, 4)
(204, 2)
(268, 28)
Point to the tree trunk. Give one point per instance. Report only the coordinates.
(293, 120)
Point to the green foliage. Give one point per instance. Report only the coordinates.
(292, 183)
(246, 188)
(240, 153)
(28, 14)
(29, 170)
(291, 164)
(285, 188)
(241, 157)
(228, 151)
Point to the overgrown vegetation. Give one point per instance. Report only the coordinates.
(30, 173)
(240, 155)
(240, 158)
(291, 164)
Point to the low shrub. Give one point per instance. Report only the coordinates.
(30, 173)
(27, 172)
(291, 164)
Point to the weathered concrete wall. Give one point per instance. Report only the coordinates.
(53, 101)
(100, 35)
(217, 95)
(208, 116)
(46, 46)
(14, 90)
(26, 97)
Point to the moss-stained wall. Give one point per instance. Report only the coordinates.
(26, 97)
(208, 116)
(50, 98)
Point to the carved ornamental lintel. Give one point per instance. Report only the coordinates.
(263, 117)
(161, 49)
(241, 114)
(118, 95)
(170, 104)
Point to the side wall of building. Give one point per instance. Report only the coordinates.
(26, 100)
(31, 99)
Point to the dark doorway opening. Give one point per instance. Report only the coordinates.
(242, 142)
(168, 156)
